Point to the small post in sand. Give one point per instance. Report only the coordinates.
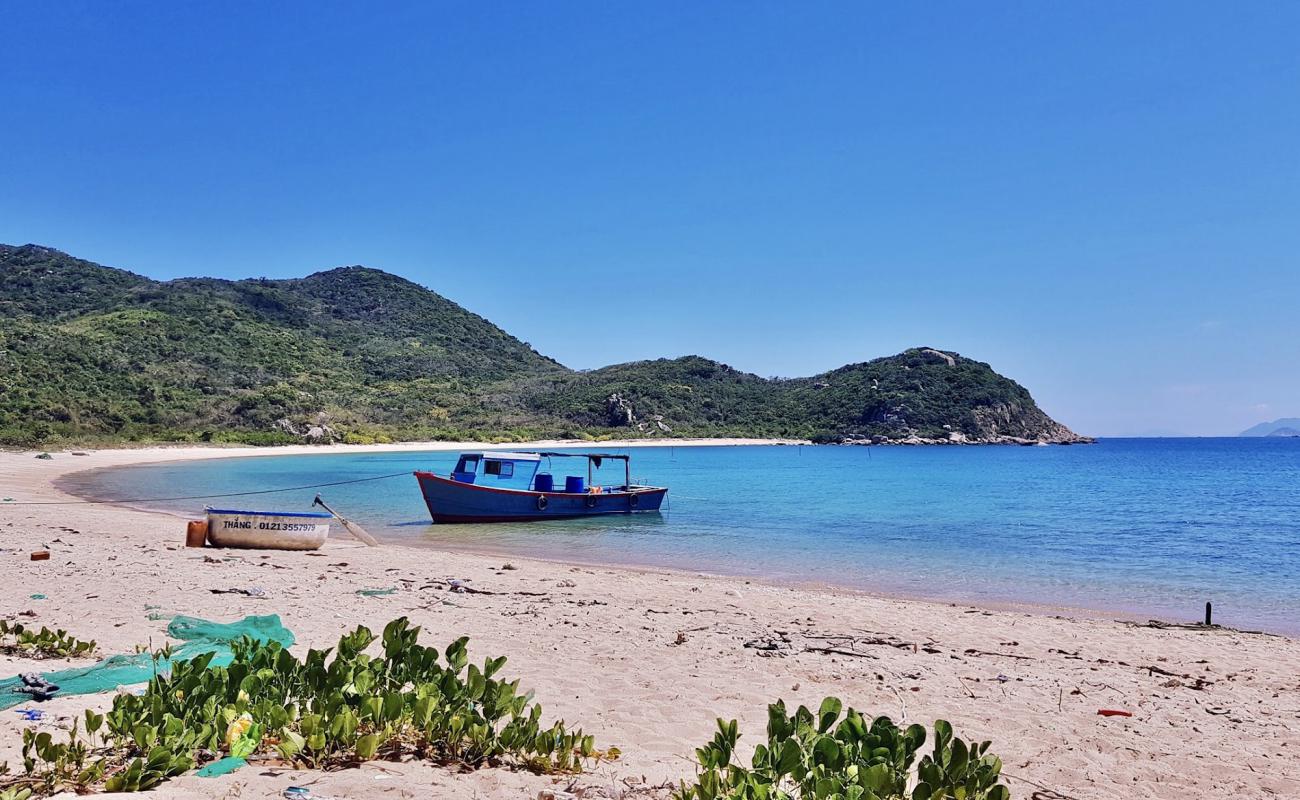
(353, 528)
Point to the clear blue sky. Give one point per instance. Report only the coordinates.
(1100, 199)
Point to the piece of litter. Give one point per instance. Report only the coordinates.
(254, 591)
(40, 555)
(31, 714)
(1113, 712)
(302, 793)
(34, 684)
(376, 592)
(37, 597)
(223, 766)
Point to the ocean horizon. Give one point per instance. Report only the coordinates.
(1141, 528)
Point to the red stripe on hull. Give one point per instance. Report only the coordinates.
(520, 518)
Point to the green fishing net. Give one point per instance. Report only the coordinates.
(198, 636)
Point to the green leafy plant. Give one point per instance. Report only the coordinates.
(408, 701)
(17, 640)
(835, 756)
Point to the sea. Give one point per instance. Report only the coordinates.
(1133, 528)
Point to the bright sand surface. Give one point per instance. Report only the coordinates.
(646, 659)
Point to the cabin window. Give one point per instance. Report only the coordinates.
(467, 465)
(504, 469)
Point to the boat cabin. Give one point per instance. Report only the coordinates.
(505, 470)
(498, 469)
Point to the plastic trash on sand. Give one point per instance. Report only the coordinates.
(32, 683)
(223, 766)
(302, 793)
(198, 636)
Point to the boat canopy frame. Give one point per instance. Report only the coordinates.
(595, 459)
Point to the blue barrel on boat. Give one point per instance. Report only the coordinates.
(544, 482)
(575, 484)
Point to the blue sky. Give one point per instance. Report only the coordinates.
(1102, 200)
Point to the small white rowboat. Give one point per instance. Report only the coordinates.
(267, 530)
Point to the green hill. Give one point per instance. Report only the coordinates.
(91, 353)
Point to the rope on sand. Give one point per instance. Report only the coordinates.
(198, 496)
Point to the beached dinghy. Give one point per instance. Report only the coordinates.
(507, 487)
(267, 530)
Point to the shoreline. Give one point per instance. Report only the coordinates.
(67, 483)
(437, 444)
(646, 658)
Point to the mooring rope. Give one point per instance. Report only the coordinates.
(196, 496)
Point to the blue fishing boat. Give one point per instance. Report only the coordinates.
(493, 486)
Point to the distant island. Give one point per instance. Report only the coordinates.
(93, 353)
(1287, 426)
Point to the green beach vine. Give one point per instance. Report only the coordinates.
(316, 712)
(826, 756)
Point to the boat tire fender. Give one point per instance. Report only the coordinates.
(633, 499)
(541, 502)
(591, 501)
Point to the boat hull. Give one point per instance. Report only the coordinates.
(266, 530)
(452, 501)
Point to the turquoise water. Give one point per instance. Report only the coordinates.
(1154, 527)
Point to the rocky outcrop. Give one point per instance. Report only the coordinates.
(939, 354)
(654, 424)
(996, 424)
(1018, 424)
(619, 412)
(311, 432)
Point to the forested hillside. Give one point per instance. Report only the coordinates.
(92, 353)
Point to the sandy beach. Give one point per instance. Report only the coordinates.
(646, 660)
